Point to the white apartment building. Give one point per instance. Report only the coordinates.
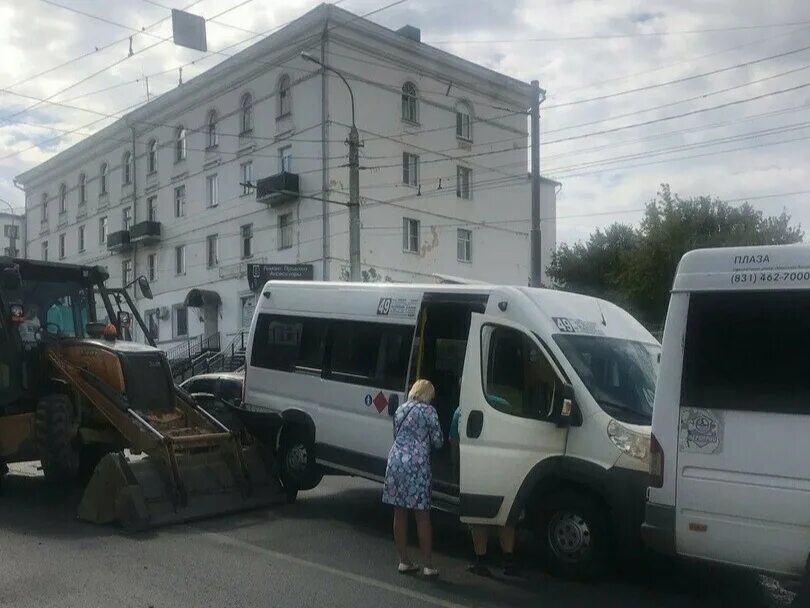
(12, 239)
(247, 163)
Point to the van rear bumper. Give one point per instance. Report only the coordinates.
(658, 529)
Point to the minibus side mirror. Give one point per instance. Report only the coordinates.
(565, 411)
(10, 278)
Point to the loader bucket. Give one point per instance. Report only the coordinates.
(138, 493)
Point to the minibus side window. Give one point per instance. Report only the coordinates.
(518, 380)
(748, 351)
(291, 344)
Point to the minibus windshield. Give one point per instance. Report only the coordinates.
(620, 374)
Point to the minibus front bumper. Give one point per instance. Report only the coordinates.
(658, 529)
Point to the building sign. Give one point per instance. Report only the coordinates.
(259, 274)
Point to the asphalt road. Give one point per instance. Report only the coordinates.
(332, 548)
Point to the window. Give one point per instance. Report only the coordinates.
(464, 182)
(153, 324)
(747, 351)
(179, 201)
(151, 208)
(463, 122)
(44, 207)
(44, 251)
(285, 231)
(517, 378)
(211, 248)
(102, 230)
(10, 231)
(151, 157)
(126, 215)
(180, 144)
(180, 321)
(284, 96)
(410, 235)
(285, 159)
(247, 304)
(410, 106)
(62, 199)
(151, 266)
(211, 190)
(370, 354)
(180, 259)
(246, 177)
(464, 245)
(126, 167)
(61, 246)
(81, 239)
(247, 240)
(289, 343)
(410, 169)
(212, 138)
(246, 114)
(126, 272)
(102, 179)
(82, 189)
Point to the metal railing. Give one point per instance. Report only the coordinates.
(200, 358)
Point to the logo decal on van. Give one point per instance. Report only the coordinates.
(701, 431)
(379, 401)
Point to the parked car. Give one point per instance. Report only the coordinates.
(217, 393)
(556, 392)
(730, 481)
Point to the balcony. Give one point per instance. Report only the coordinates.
(118, 241)
(145, 232)
(277, 189)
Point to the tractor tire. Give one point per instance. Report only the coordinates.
(56, 438)
(297, 466)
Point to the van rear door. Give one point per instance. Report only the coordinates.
(507, 390)
(743, 480)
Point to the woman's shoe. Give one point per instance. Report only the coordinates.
(407, 568)
(430, 572)
(479, 570)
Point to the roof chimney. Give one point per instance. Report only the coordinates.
(410, 32)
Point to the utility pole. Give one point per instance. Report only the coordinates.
(535, 249)
(354, 180)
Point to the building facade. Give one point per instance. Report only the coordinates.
(247, 164)
(12, 239)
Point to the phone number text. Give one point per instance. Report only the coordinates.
(770, 277)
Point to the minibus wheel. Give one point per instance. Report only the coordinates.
(299, 471)
(573, 534)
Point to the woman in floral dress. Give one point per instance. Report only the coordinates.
(408, 478)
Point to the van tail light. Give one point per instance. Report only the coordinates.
(656, 463)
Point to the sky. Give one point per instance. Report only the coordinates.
(734, 124)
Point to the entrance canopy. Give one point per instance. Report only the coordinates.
(202, 298)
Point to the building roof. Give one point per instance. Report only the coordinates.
(287, 42)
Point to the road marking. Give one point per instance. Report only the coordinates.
(358, 578)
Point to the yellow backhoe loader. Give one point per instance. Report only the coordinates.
(92, 406)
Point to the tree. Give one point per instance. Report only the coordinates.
(634, 267)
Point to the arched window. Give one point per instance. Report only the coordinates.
(284, 96)
(464, 121)
(212, 135)
(82, 189)
(63, 198)
(180, 144)
(126, 166)
(151, 158)
(102, 179)
(410, 106)
(246, 116)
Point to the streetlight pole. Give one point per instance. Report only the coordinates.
(354, 180)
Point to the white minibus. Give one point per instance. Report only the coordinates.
(556, 392)
(730, 461)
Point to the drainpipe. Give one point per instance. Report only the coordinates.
(134, 213)
(325, 151)
(24, 231)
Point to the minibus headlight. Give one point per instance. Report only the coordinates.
(629, 442)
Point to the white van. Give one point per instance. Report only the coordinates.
(556, 391)
(730, 459)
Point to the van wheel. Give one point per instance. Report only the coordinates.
(298, 468)
(56, 436)
(573, 534)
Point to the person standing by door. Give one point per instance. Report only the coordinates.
(408, 474)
